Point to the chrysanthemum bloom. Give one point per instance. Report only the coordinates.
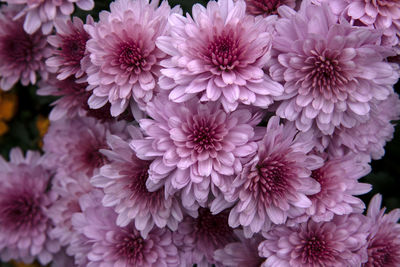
(22, 56)
(338, 181)
(369, 137)
(218, 55)
(241, 253)
(195, 146)
(24, 200)
(331, 70)
(73, 145)
(380, 14)
(125, 60)
(68, 189)
(111, 245)
(124, 184)
(73, 101)
(384, 238)
(267, 7)
(42, 13)
(70, 43)
(198, 238)
(340, 242)
(275, 184)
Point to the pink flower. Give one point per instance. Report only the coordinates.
(384, 238)
(72, 145)
(198, 238)
(195, 147)
(24, 201)
(21, 55)
(218, 55)
(331, 71)
(338, 180)
(70, 41)
(124, 183)
(267, 7)
(124, 59)
(381, 14)
(106, 244)
(340, 242)
(275, 184)
(42, 13)
(241, 253)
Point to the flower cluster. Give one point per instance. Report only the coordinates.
(235, 136)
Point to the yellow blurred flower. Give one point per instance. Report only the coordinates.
(42, 124)
(20, 264)
(8, 108)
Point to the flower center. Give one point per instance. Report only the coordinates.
(94, 158)
(260, 7)
(130, 247)
(314, 249)
(73, 47)
(223, 52)
(213, 228)
(131, 57)
(318, 175)
(383, 252)
(19, 48)
(21, 212)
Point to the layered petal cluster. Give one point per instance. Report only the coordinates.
(197, 238)
(124, 59)
(384, 237)
(72, 145)
(267, 7)
(70, 57)
(218, 55)
(340, 242)
(22, 56)
(43, 13)
(24, 202)
(276, 183)
(124, 183)
(331, 71)
(244, 252)
(107, 244)
(195, 147)
(381, 14)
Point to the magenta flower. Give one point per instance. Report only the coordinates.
(22, 56)
(384, 238)
(198, 238)
(330, 79)
(241, 253)
(267, 7)
(124, 183)
(24, 201)
(42, 13)
(72, 145)
(70, 56)
(219, 55)
(340, 242)
(275, 184)
(338, 180)
(196, 147)
(124, 58)
(106, 244)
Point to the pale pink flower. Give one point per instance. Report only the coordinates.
(384, 239)
(42, 13)
(340, 242)
(218, 55)
(123, 181)
(267, 7)
(124, 59)
(198, 238)
(24, 201)
(331, 71)
(244, 252)
(70, 56)
(195, 147)
(276, 183)
(22, 56)
(107, 244)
